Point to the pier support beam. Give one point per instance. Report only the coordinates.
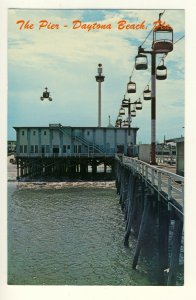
(94, 168)
(163, 215)
(176, 244)
(143, 225)
(18, 175)
(130, 212)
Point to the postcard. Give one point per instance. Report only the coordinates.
(95, 149)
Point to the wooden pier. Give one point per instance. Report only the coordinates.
(76, 166)
(152, 201)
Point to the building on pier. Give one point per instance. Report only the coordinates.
(75, 148)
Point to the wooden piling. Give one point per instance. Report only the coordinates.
(122, 184)
(119, 179)
(131, 210)
(17, 161)
(127, 205)
(142, 229)
(174, 260)
(138, 208)
(124, 191)
(163, 217)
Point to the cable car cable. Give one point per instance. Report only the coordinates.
(179, 39)
(146, 38)
(132, 71)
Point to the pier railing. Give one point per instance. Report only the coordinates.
(167, 183)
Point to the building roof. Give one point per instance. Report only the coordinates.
(176, 140)
(74, 127)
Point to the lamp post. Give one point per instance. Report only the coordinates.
(99, 79)
(160, 45)
(153, 102)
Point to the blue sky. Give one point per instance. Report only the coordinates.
(65, 61)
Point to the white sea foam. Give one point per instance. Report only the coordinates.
(60, 185)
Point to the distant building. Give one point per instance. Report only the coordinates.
(179, 154)
(11, 147)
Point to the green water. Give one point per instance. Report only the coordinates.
(69, 236)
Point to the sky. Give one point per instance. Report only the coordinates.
(65, 60)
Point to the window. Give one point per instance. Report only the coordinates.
(23, 132)
(43, 149)
(25, 148)
(88, 132)
(68, 147)
(32, 149)
(44, 132)
(55, 149)
(21, 149)
(36, 148)
(47, 149)
(64, 148)
(79, 148)
(34, 132)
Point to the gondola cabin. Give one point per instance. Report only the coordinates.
(138, 104)
(161, 72)
(122, 111)
(141, 62)
(125, 103)
(162, 39)
(131, 87)
(147, 93)
(133, 113)
(125, 123)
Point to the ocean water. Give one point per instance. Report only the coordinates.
(69, 234)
